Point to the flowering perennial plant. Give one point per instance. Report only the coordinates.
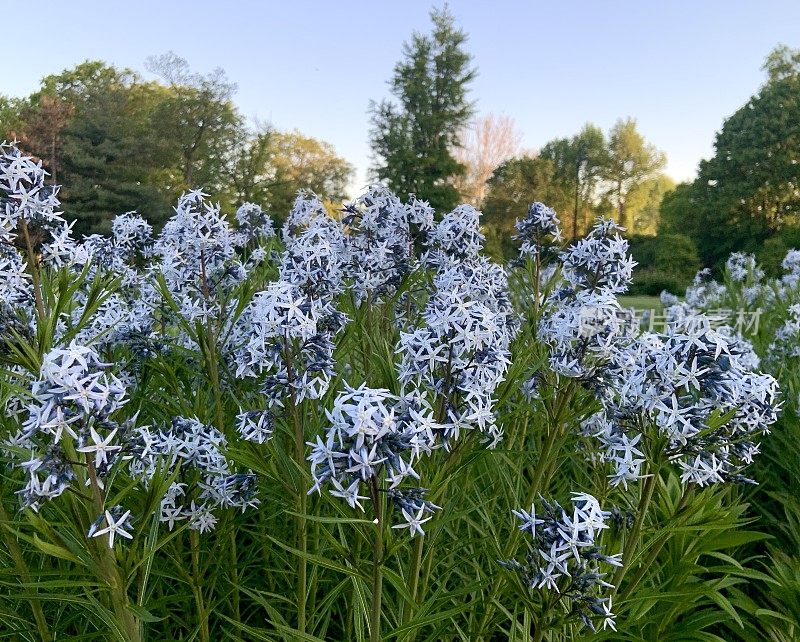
(692, 388)
(375, 437)
(539, 232)
(285, 338)
(583, 319)
(197, 401)
(205, 481)
(459, 354)
(565, 558)
(71, 411)
(382, 233)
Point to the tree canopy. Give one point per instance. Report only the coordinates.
(412, 140)
(750, 188)
(118, 142)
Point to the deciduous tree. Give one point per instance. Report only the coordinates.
(578, 166)
(485, 143)
(630, 162)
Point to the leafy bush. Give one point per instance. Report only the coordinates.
(665, 262)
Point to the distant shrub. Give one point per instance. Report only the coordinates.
(771, 255)
(652, 282)
(665, 262)
(643, 250)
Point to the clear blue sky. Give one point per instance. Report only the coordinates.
(679, 67)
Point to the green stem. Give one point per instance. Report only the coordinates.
(299, 456)
(651, 557)
(235, 574)
(541, 622)
(407, 610)
(377, 565)
(33, 266)
(202, 614)
(541, 466)
(632, 540)
(538, 634)
(108, 563)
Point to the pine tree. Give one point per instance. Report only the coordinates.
(412, 139)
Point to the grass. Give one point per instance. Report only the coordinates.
(641, 302)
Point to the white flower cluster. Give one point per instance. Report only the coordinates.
(786, 344)
(774, 303)
(16, 294)
(457, 236)
(373, 436)
(315, 252)
(205, 481)
(742, 267)
(565, 557)
(582, 318)
(382, 233)
(195, 254)
(76, 401)
(459, 352)
(254, 225)
(539, 231)
(791, 265)
(71, 409)
(705, 292)
(24, 196)
(285, 338)
(692, 386)
(255, 425)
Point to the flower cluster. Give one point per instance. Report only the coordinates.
(374, 436)
(565, 557)
(285, 338)
(791, 265)
(692, 387)
(315, 253)
(741, 266)
(457, 236)
(382, 233)
(71, 410)
(582, 317)
(254, 225)
(704, 292)
(539, 232)
(460, 351)
(16, 295)
(786, 344)
(25, 200)
(205, 480)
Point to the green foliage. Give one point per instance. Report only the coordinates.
(668, 261)
(515, 185)
(578, 166)
(299, 162)
(270, 167)
(630, 162)
(114, 139)
(677, 210)
(412, 139)
(583, 177)
(747, 190)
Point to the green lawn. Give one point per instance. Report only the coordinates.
(641, 302)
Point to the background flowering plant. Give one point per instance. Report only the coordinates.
(215, 431)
